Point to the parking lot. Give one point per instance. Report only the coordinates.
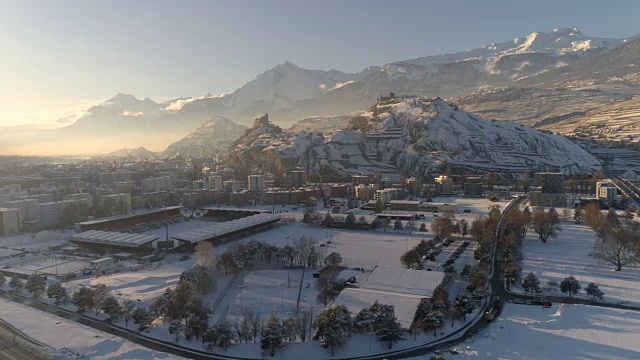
(453, 253)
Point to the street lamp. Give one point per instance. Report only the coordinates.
(282, 297)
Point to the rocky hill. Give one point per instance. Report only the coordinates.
(218, 132)
(413, 136)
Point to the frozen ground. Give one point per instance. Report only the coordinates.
(38, 241)
(569, 255)
(266, 292)
(62, 334)
(568, 332)
(144, 285)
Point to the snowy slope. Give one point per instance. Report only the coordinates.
(218, 131)
(413, 136)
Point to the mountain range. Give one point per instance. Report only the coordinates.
(537, 79)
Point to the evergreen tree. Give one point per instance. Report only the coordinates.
(176, 327)
(58, 292)
(100, 294)
(83, 299)
(350, 220)
(570, 285)
(578, 215)
(432, 321)
(612, 218)
(128, 307)
(111, 307)
(363, 321)
(141, 317)
(397, 225)
(35, 284)
(390, 331)
(531, 283)
(440, 299)
(160, 307)
(423, 227)
(272, 335)
(333, 325)
(15, 284)
(328, 220)
(3, 279)
(594, 291)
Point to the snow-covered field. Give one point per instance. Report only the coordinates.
(568, 332)
(569, 255)
(79, 339)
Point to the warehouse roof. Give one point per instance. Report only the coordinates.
(219, 229)
(113, 238)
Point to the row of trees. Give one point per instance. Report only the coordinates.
(569, 285)
(304, 251)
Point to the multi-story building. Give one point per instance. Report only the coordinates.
(365, 192)
(551, 183)
(216, 182)
(9, 221)
(240, 198)
(473, 186)
(121, 202)
(231, 186)
(548, 190)
(255, 183)
(443, 184)
(28, 208)
(388, 194)
(339, 190)
(50, 213)
(297, 178)
(606, 190)
(502, 191)
(162, 183)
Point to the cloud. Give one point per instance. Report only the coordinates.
(339, 85)
(323, 87)
(131, 113)
(178, 104)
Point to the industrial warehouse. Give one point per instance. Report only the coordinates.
(219, 233)
(112, 242)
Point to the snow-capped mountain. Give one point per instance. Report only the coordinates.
(413, 136)
(277, 89)
(218, 131)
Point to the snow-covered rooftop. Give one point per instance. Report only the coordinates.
(356, 299)
(224, 228)
(113, 238)
(406, 281)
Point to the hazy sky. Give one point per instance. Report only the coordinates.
(58, 57)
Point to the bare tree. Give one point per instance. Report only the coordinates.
(616, 247)
(545, 224)
(566, 214)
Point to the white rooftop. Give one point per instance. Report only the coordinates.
(113, 238)
(218, 229)
(355, 299)
(406, 281)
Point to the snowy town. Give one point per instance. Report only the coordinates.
(365, 269)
